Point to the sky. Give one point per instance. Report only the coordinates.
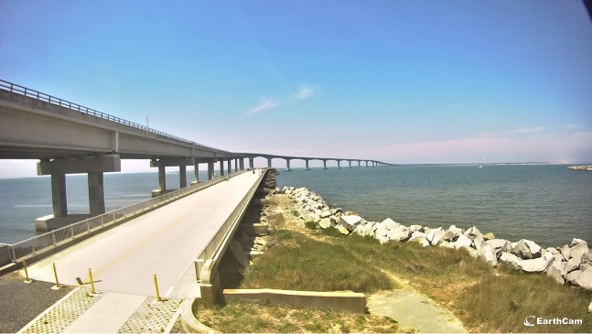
(396, 81)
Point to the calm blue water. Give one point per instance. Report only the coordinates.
(549, 204)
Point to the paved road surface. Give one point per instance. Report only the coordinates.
(162, 242)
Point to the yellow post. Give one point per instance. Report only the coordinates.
(156, 287)
(55, 274)
(26, 271)
(92, 283)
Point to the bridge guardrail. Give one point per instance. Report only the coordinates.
(212, 248)
(14, 88)
(33, 246)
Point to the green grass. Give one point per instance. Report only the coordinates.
(311, 225)
(245, 316)
(331, 232)
(501, 303)
(307, 264)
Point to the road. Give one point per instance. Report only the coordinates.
(163, 242)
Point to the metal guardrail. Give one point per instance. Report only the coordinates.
(35, 245)
(14, 88)
(212, 247)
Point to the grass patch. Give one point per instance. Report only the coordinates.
(307, 264)
(276, 220)
(501, 303)
(331, 232)
(311, 225)
(281, 234)
(245, 316)
(295, 213)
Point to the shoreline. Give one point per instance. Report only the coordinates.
(585, 168)
(568, 264)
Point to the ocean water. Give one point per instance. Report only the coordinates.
(549, 204)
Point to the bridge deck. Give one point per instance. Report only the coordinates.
(162, 242)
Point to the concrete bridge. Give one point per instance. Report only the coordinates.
(69, 138)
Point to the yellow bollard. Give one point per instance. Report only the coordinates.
(92, 283)
(156, 287)
(55, 274)
(26, 271)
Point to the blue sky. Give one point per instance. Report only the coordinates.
(397, 81)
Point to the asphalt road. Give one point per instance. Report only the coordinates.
(163, 242)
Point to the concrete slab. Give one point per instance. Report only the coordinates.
(414, 311)
(107, 315)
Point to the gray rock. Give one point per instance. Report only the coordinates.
(384, 227)
(572, 264)
(421, 240)
(350, 222)
(415, 228)
(455, 230)
(401, 233)
(325, 223)
(527, 249)
(566, 252)
(552, 250)
(510, 259)
(343, 230)
(473, 232)
(558, 272)
(499, 246)
(448, 236)
(573, 276)
(585, 279)
(579, 249)
(488, 254)
(479, 242)
(534, 265)
(463, 241)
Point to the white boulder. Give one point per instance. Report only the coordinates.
(401, 233)
(527, 249)
(566, 252)
(488, 254)
(350, 222)
(415, 228)
(463, 241)
(558, 271)
(585, 279)
(510, 259)
(578, 249)
(499, 246)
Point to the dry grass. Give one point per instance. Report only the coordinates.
(262, 317)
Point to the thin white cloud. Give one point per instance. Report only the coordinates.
(305, 92)
(265, 104)
(533, 130)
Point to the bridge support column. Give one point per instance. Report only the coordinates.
(96, 194)
(288, 165)
(242, 163)
(94, 167)
(182, 163)
(324, 164)
(269, 162)
(182, 177)
(306, 162)
(366, 163)
(236, 165)
(359, 164)
(350, 164)
(229, 166)
(338, 164)
(210, 170)
(222, 167)
(251, 163)
(196, 173)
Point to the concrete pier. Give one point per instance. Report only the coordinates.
(251, 163)
(195, 173)
(307, 168)
(182, 163)
(324, 164)
(269, 162)
(338, 164)
(222, 167)
(94, 166)
(288, 165)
